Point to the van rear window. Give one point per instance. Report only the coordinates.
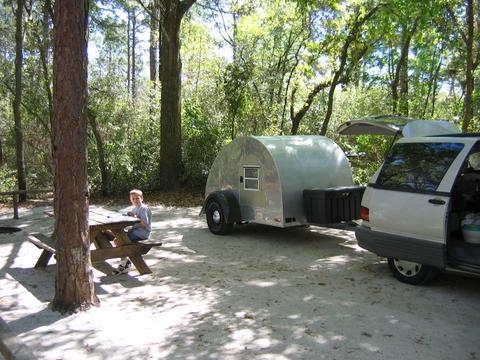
(418, 166)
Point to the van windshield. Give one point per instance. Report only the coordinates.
(418, 166)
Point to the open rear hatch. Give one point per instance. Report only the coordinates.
(397, 126)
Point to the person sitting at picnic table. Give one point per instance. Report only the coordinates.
(139, 231)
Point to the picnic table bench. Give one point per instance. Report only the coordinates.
(43, 242)
(99, 221)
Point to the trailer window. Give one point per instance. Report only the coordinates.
(252, 178)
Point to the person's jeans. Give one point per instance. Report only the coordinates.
(134, 236)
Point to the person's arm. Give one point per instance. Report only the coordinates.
(143, 216)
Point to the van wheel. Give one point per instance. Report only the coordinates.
(216, 219)
(411, 272)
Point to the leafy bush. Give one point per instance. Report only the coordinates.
(8, 179)
(201, 144)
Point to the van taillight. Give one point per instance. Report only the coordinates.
(364, 213)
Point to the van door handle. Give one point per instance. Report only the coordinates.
(437, 201)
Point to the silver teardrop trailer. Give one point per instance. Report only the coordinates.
(281, 181)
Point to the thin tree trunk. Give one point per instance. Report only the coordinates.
(129, 52)
(44, 47)
(469, 82)
(20, 152)
(154, 12)
(2, 160)
(432, 90)
(403, 103)
(102, 164)
(134, 47)
(343, 69)
(399, 84)
(153, 49)
(296, 118)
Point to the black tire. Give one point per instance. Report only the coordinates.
(217, 223)
(411, 272)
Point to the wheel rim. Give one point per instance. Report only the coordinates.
(407, 268)
(216, 217)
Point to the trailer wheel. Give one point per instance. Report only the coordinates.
(216, 219)
(411, 272)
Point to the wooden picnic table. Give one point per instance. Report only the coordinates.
(101, 220)
(102, 225)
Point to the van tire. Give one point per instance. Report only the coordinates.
(216, 219)
(411, 272)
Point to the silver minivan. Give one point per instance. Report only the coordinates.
(421, 209)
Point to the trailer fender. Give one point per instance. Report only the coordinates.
(228, 202)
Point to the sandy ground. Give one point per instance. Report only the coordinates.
(260, 293)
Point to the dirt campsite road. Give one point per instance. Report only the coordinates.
(260, 293)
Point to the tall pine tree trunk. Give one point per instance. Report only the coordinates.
(133, 14)
(74, 288)
(21, 176)
(154, 9)
(469, 83)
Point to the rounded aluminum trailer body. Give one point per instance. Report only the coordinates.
(268, 174)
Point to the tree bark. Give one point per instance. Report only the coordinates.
(17, 101)
(172, 12)
(2, 161)
(469, 82)
(347, 61)
(102, 163)
(129, 51)
(74, 288)
(44, 46)
(296, 118)
(154, 12)
(153, 49)
(133, 14)
(399, 84)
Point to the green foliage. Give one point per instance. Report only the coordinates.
(131, 141)
(367, 151)
(9, 179)
(201, 144)
(235, 80)
(248, 67)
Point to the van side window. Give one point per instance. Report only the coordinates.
(252, 178)
(418, 166)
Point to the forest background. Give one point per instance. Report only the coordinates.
(249, 67)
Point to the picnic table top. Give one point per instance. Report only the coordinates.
(100, 217)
